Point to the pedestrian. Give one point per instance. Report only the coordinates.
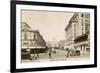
(50, 53)
(33, 57)
(67, 52)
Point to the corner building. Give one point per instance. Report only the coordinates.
(78, 33)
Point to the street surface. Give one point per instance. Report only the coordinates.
(58, 56)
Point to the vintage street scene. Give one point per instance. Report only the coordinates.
(54, 36)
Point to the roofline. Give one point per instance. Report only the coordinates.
(70, 21)
(26, 24)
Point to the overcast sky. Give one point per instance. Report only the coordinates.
(50, 24)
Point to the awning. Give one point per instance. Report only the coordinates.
(36, 47)
(81, 38)
(33, 47)
(81, 43)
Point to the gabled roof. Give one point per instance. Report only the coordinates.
(24, 24)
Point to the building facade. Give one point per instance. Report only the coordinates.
(62, 44)
(31, 41)
(78, 32)
(69, 37)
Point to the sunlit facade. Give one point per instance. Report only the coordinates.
(78, 32)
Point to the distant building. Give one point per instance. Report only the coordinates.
(78, 32)
(49, 44)
(62, 44)
(31, 41)
(55, 44)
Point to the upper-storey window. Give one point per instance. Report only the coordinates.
(34, 37)
(25, 36)
(82, 15)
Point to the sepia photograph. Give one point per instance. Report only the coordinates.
(52, 36)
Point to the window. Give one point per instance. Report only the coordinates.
(87, 16)
(82, 15)
(25, 36)
(25, 43)
(75, 30)
(82, 27)
(87, 27)
(81, 47)
(35, 37)
(23, 50)
(31, 43)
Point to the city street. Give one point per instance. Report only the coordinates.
(60, 55)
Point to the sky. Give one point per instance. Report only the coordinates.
(50, 24)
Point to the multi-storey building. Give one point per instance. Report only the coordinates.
(31, 42)
(25, 35)
(69, 30)
(82, 32)
(78, 32)
(25, 52)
